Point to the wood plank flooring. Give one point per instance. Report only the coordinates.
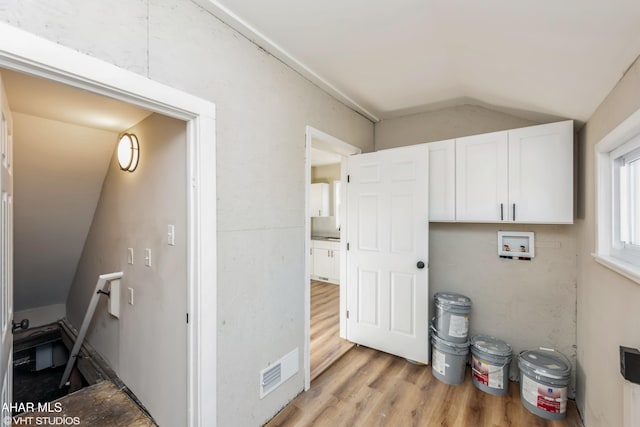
(102, 404)
(369, 388)
(326, 346)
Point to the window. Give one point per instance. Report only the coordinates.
(618, 199)
(626, 203)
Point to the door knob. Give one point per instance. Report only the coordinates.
(24, 324)
(420, 265)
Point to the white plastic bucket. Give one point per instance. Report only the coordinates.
(448, 360)
(452, 316)
(490, 362)
(544, 377)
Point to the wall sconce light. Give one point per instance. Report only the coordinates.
(128, 152)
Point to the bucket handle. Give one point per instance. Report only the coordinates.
(436, 317)
(562, 355)
(553, 350)
(500, 368)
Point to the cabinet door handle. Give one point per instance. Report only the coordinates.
(514, 211)
(501, 211)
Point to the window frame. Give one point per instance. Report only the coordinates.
(610, 250)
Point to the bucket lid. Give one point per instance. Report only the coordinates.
(452, 298)
(457, 345)
(547, 362)
(491, 345)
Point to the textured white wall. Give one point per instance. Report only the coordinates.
(59, 169)
(528, 304)
(608, 314)
(147, 345)
(262, 109)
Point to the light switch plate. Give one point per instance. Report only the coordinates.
(147, 257)
(171, 235)
(130, 296)
(130, 255)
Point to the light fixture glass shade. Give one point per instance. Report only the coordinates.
(128, 152)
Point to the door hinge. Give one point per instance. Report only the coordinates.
(187, 317)
(347, 245)
(347, 314)
(348, 178)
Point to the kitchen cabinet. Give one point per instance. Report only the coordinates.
(481, 177)
(442, 180)
(541, 174)
(319, 199)
(335, 268)
(522, 175)
(326, 261)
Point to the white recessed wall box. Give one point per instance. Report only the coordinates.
(516, 244)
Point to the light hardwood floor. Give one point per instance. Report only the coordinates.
(326, 345)
(368, 388)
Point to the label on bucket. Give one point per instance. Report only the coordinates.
(438, 361)
(487, 374)
(459, 326)
(550, 399)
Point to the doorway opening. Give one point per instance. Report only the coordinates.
(68, 187)
(324, 292)
(35, 56)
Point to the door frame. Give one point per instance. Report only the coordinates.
(344, 149)
(26, 53)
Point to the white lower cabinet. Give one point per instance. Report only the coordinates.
(326, 261)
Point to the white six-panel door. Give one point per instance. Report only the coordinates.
(6, 257)
(387, 236)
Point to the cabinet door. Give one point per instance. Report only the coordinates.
(541, 173)
(481, 178)
(319, 200)
(335, 273)
(442, 180)
(322, 262)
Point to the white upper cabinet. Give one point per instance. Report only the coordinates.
(522, 175)
(541, 174)
(481, 178)
(442, 180)
(319, 199)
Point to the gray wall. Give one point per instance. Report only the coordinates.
(262, 110)
(59, 170)
(527, 303)
(608, 304)
(447, 123)
(147, 345)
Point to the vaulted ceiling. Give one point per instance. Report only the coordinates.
(390, 58)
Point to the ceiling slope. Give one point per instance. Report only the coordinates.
(383, 58)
